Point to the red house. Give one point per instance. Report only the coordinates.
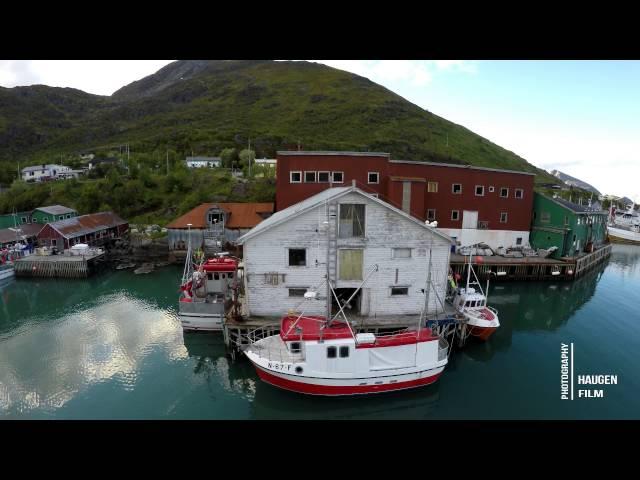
(92, 229)
(470, 204)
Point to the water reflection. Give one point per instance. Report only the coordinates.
(211, 362)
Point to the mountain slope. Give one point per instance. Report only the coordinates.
(204, 106)
(569, 180)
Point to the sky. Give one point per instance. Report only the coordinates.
(580, 117)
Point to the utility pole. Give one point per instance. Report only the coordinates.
(249, 157)
(167, 161)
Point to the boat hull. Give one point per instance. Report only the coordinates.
(483, 333)
(7, 273)
(353, 386)
(619, 235)
(200, 322)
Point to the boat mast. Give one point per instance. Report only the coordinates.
(329, 291)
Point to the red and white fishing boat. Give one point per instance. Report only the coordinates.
(319, 357)
(482, 320)
(208, 292)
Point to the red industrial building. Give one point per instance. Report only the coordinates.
(471, 204)
(92, 229)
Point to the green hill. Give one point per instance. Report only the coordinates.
(201, 107)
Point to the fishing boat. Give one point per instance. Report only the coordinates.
(208, 291)
(624, 226)
(323, 355)
(482, 320)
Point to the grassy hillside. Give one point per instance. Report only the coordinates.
(202, 107)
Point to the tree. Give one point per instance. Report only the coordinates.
(228, 157)
(246, 158)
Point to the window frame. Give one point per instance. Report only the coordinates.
(333, 180)
(476, 191)
(288, 258)
(521, 190)
(434, 214)
(507, 194)
(328, 176)
(364, 220)
(491, 188)
(291, 173)
(341, 349)
(315, 176)
(506, 217)
(457, 212)
(545, 217)
(289, 289)
(453, 189)
(334, 350)
(429, 184)
(405, 288)
(394, 256)
(377, 174)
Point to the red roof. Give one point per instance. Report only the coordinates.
(241, 215)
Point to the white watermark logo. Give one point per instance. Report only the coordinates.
(567, 378)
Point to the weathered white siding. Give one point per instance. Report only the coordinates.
(384, 229)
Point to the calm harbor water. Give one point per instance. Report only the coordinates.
(111, 347)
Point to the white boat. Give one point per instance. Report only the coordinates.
(482, 319)
(624, 226)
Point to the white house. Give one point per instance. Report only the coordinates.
(267, 162)
(203, 162)
(286, 255)
(37, 173)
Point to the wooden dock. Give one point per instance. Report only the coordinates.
(532, 268)
(57, 266)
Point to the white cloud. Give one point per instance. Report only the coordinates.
(100, 77)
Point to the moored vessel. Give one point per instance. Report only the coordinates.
(482, 320)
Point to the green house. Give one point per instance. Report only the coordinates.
(52, 213)
(9, 221)
(574, 229)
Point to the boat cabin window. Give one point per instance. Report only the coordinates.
(210, 276)
(344, 352)
(295, 347)
(216, 276)
(297, 257)
(331, 352)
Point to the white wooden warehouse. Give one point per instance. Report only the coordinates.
(286, 255)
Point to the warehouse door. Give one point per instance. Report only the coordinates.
(469, 219)
(350, 264)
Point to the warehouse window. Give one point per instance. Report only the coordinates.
(295, 177)
(455, 214)
(503, 217)
(456, 188)
(401, 253)
(323, 177)
(519, 241)
(479, 190)
(297, 292)
(297, 257)
(545, 217)
(351, 220)
(432, 187)
(309, 177)
(431, 214)
(519, 193)
(396, 291)
(338, 177)
(504, 192)
(373, 177)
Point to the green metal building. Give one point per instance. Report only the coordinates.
(52, 213)
(573, 228)
(8, 220)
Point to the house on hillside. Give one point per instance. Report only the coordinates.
(203, 162)
(94, 162)
(52, 213)
(215, 224)
(94, 229)
(345, 232)
(574, 229)
(471, 204)
(39, 173)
